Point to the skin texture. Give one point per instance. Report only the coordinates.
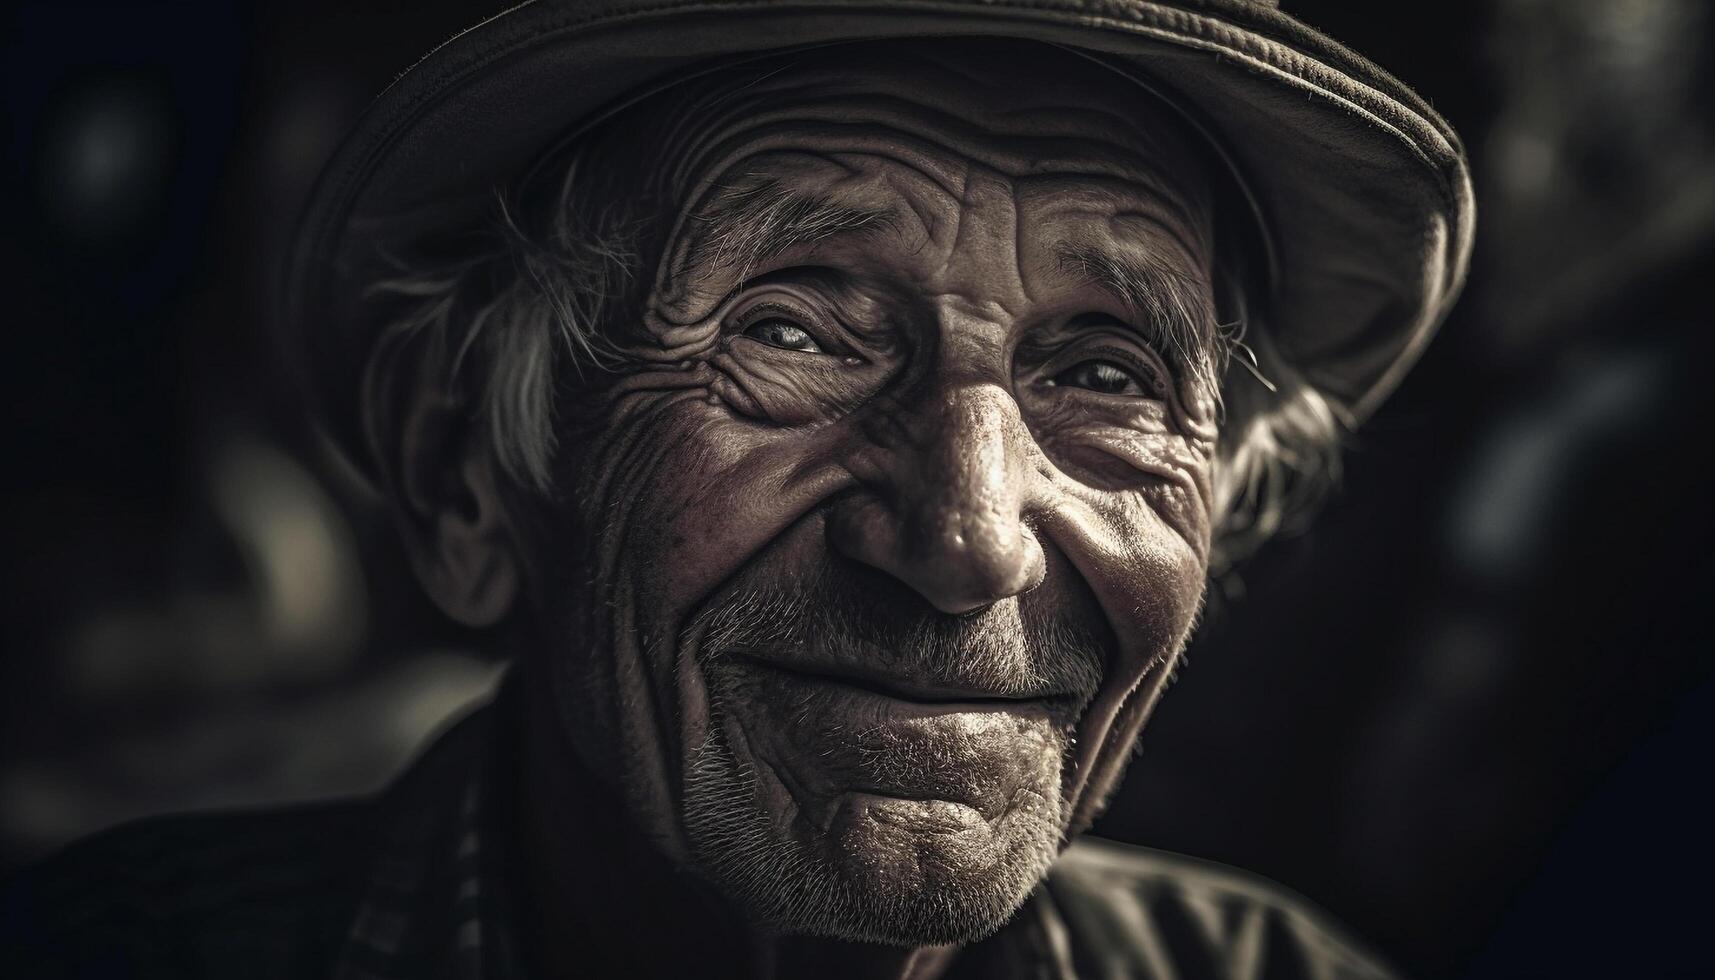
(874, 555)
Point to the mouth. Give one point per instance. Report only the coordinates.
(916, 696)
(896, 748)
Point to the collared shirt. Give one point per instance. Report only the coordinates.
(403, 886)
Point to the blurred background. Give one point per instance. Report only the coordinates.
(1471, 712)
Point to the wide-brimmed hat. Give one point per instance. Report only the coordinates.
(1361, 191)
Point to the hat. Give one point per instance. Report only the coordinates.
(1361, 190)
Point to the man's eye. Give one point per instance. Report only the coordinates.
(784, 334)
(1101, 376)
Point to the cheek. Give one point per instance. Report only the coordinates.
(1165, 571)
(674, 498)
(686, 493)
(1144, 569)
(1133, 499)
(1134, 465)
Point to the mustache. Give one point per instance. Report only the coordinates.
(825, 621)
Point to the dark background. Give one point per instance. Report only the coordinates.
(1471, 712)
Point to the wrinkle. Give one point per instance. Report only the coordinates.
(732, 477)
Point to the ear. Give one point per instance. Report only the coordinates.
(451, 513)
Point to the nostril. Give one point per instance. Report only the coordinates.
(964, 561)
(1022, 569)
(959, 567)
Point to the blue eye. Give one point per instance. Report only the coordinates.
(784, 334)
(1104, 377)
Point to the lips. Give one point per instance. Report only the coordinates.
(844, 734)
(860, 683)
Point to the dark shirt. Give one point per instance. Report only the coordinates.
(409, 884)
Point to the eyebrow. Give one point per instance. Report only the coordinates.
(1174, 309)
(748, 225)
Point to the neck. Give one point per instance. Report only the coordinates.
(595, 898)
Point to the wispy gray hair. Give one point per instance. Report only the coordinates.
(534, 303)
(502, 323)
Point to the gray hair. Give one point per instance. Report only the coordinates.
(501, 322)
(539, 296)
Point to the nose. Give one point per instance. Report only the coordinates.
(949, 519)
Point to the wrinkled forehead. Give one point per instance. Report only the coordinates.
(926, 112)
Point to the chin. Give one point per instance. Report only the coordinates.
(864, 866)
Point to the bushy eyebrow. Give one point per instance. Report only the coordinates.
(1175, 309)
(761, 220)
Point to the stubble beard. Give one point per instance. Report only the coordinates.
(786, 885)
(791, 873)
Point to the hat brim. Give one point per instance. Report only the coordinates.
(1362, 188)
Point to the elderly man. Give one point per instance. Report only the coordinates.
(835, 410)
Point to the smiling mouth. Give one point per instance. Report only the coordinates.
(911, 692)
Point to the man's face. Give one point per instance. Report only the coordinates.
(882, 547)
